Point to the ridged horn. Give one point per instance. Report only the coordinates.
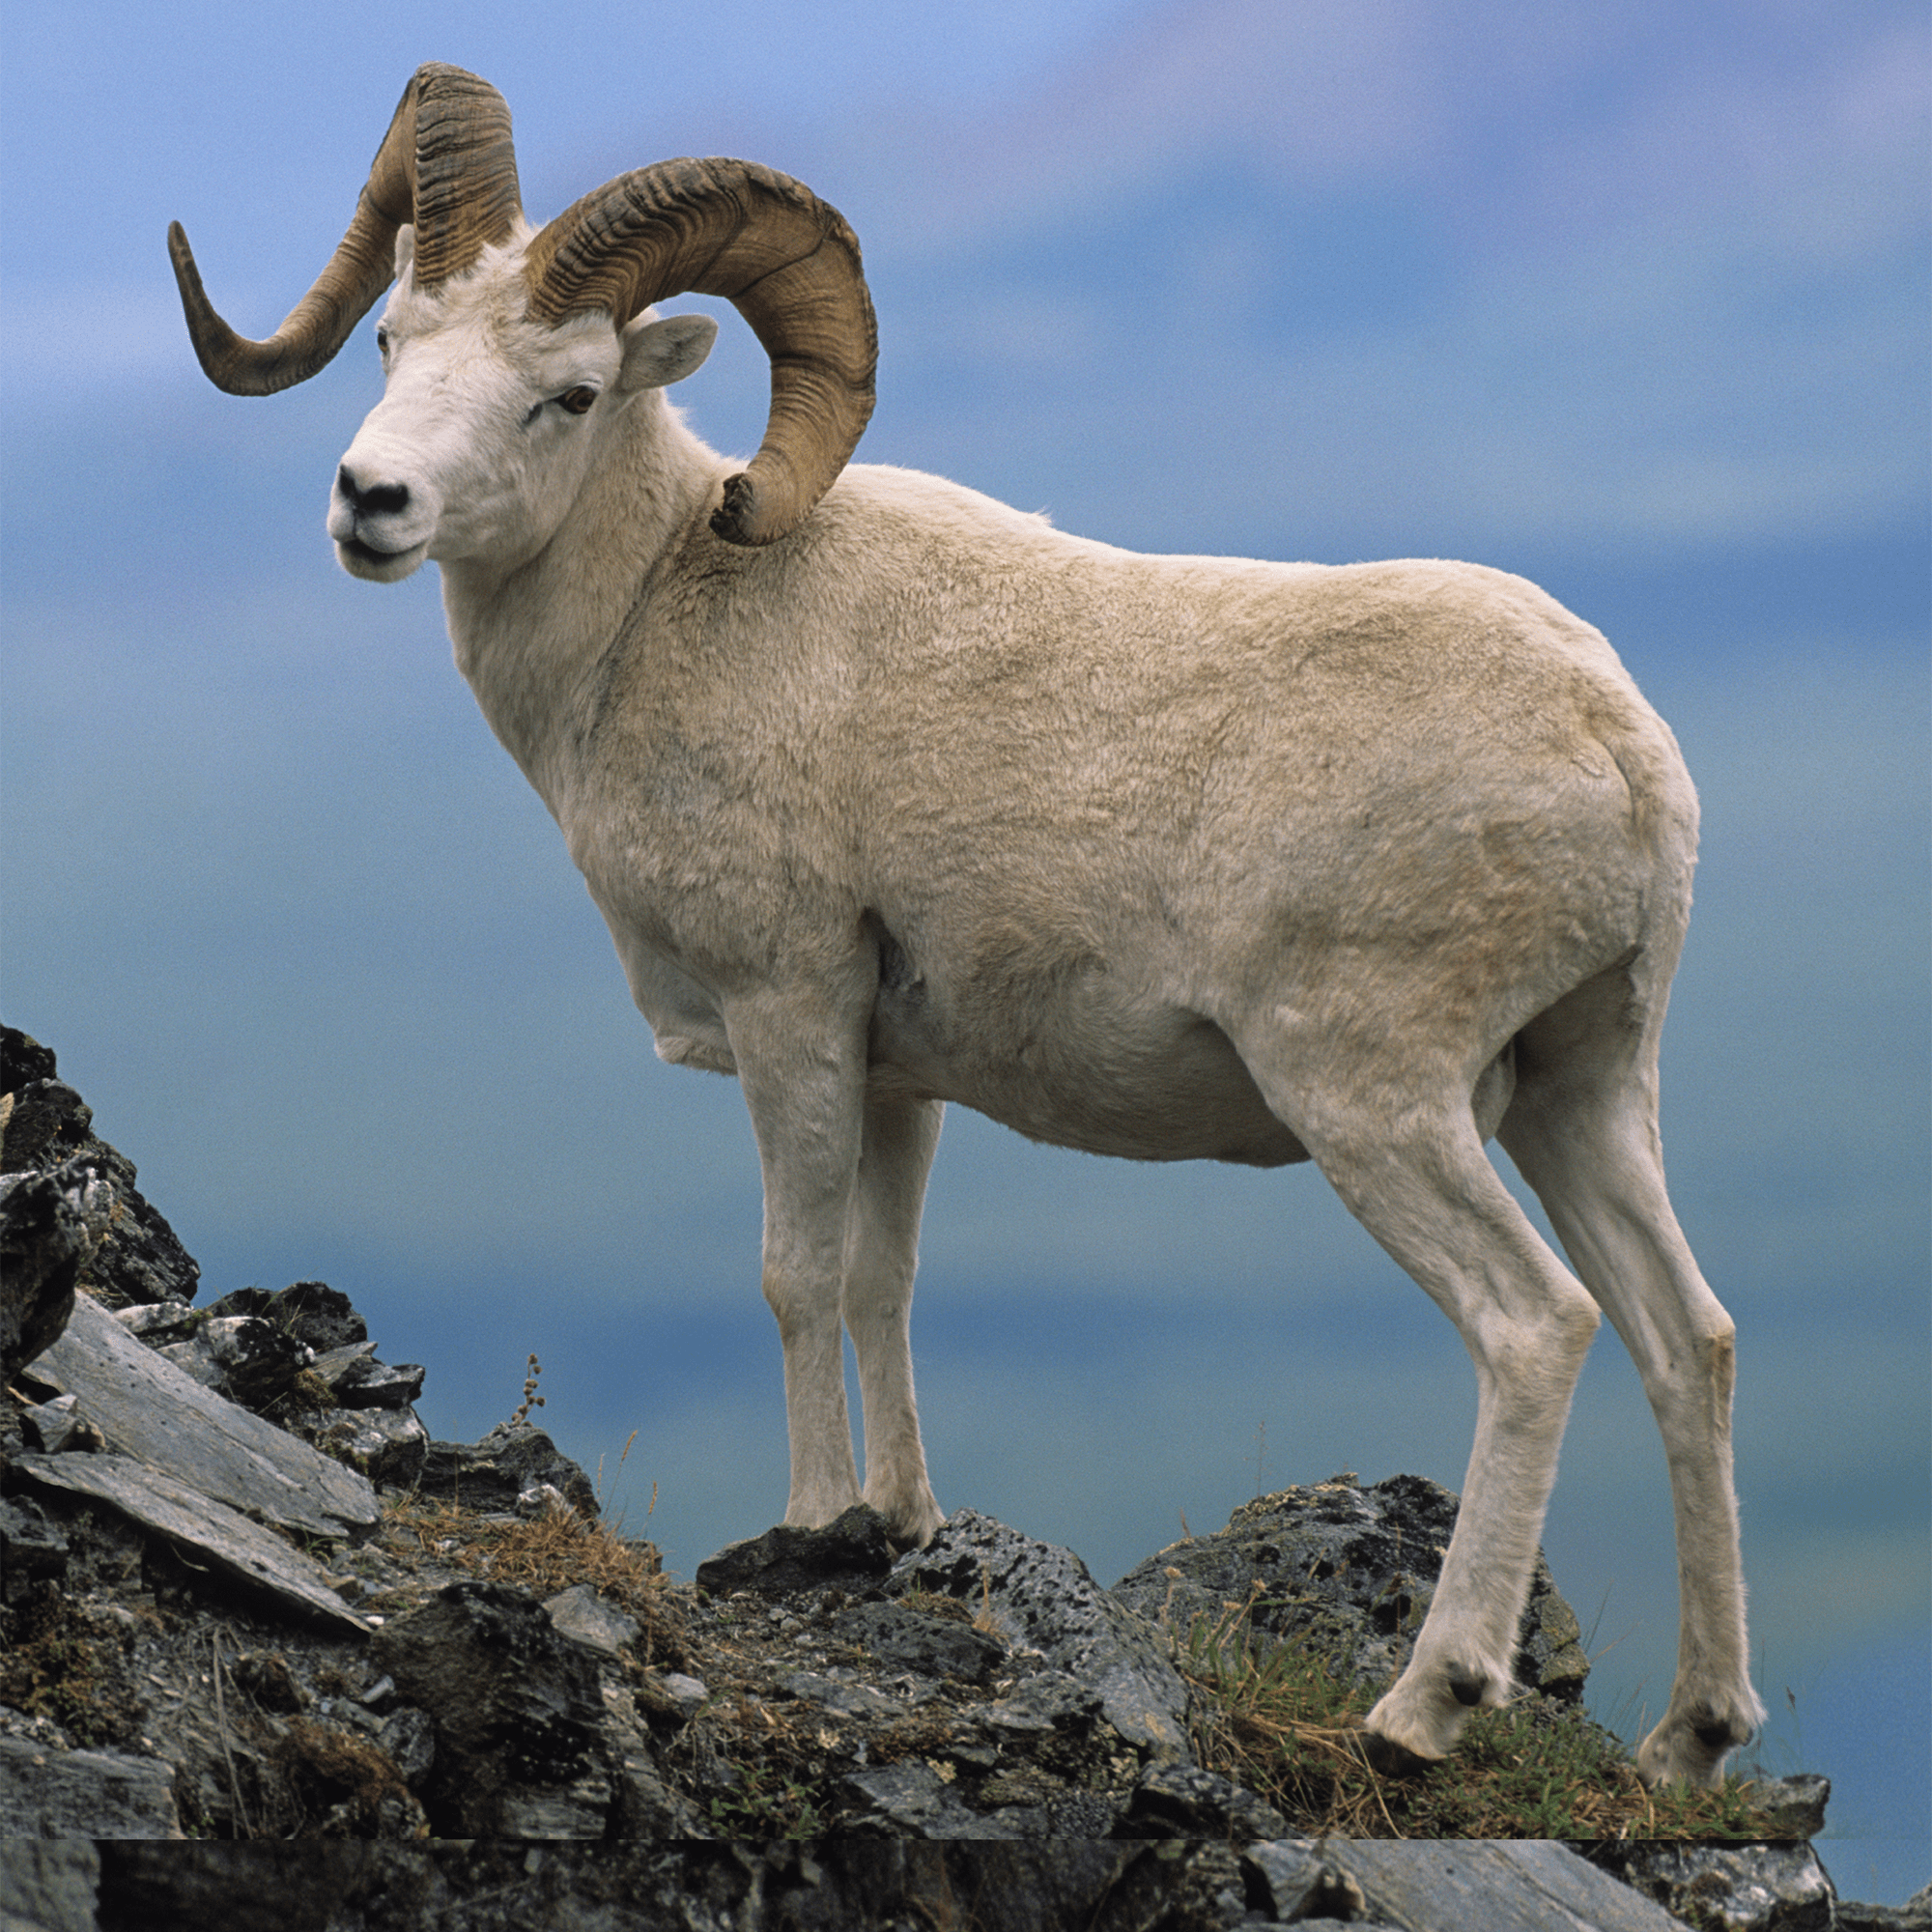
(446, 164)
(790, 265)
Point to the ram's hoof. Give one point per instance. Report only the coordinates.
(1389, 1759)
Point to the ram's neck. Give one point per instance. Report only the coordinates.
(529, 639)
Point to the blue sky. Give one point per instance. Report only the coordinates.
(1630, 298)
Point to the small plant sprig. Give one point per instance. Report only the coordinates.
(767, 1804)
(531, 1399)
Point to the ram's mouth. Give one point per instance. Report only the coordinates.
(378, 566)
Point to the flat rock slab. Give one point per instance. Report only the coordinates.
(149, 1410)
(1531, 1885)
(158, 1502)
(84, 1794)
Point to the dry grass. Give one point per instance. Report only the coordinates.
(545, 1554)
(1279, 1724)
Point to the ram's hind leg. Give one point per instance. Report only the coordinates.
(1410, 1164)
(881, 1255)
(1582, 1130)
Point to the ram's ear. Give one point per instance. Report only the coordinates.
(657, 353)
(406, 250)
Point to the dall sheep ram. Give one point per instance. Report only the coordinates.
(892, 796)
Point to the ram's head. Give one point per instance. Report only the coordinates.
(502, 343)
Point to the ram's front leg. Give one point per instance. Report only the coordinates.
(881, 1255)
(801, 1062)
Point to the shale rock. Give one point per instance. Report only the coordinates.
(137, 1257)
(1773, 1887)
(84, 1794)
(48, 1885)
(854, 1547)
(148, 1409)
(490, 1475)
(32, 1548)
(517, 1710)
(1044, 1597)
(43, 1243)
(1185, 1801)
(309, 1312)
(45, 1123)
(1914, 1915)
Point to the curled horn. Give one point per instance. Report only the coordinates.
(790, 265)
(446, 164)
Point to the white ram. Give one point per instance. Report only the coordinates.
(892, 796)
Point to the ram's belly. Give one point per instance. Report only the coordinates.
(1078, 1069)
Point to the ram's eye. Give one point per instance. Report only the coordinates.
(381, 341)
(577, 401)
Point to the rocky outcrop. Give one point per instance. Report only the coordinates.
(243, 1599)
(1350, 1572)
(132, 1255)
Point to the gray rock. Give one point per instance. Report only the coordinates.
(788, 1559)
(386, 1446)
(1043, 1597)
(257, 1362)
(84, 1794)
(32, 1548)
(409, 1736)
(58, 1426)
(581, 1614)
(244, 1550)
(335, 1366)
(648, 1809)
(191, 1357)
(1914, 1915)
(1771, 1888)
(310, 1885)
(310, 1311)
(842, 1700)
(1794, 1807)
(926, 1645)
(23, 1057)
(371, 1384)
(1301, 1886)
(913, 1801)
(1051, 1701)
(149, 1411)
(47, 1886)
(1531, 1885)
(490, 1475)
(43, 1241)
(1174, 1801)
(518, 1713)
(45, 1126)
(47, 1121)
(1348, 1571)
(158, 1322)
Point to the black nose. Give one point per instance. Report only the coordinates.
(375, 499)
